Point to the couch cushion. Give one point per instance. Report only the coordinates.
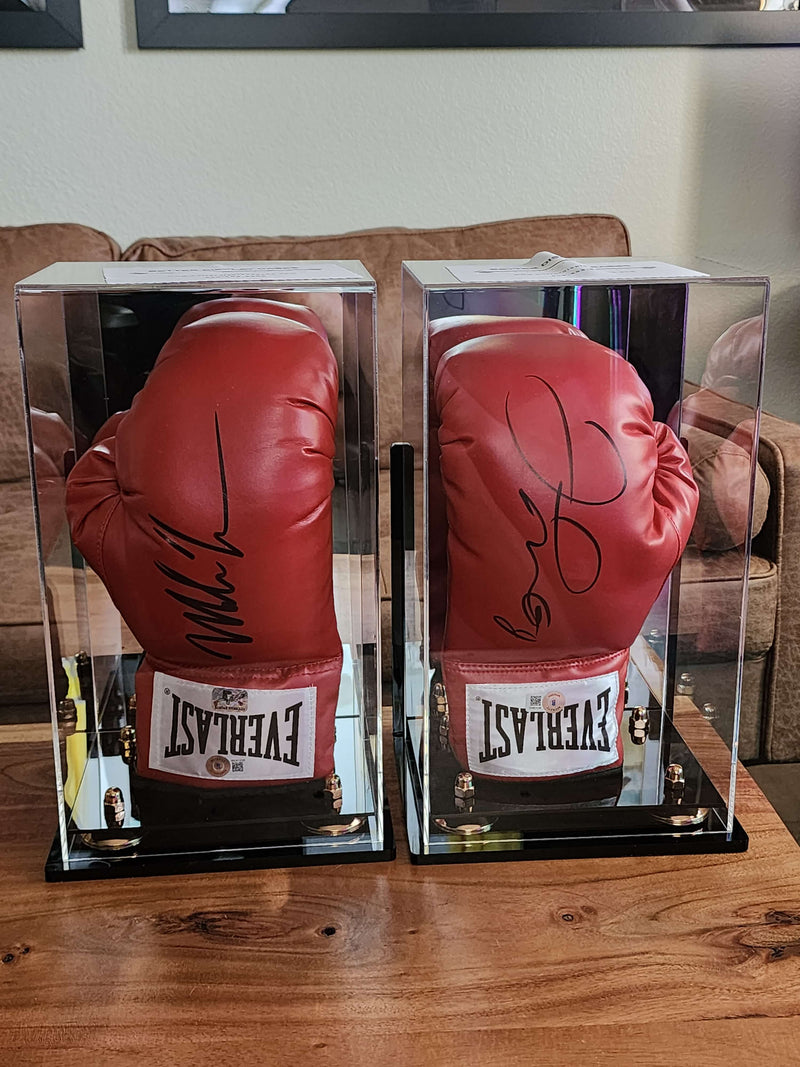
(23, 668)
(21, 595)
(711, 600)
(382, 252)
(715, 683)
(24, 250)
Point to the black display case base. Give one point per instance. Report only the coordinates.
(669, 842)
(523, 821)
(88, 864)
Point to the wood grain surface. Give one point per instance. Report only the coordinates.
(692, 960)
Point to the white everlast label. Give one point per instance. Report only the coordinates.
(542, 729)
(242, 735)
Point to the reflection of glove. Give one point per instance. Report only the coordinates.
(734, 362)
(567, 507)
(207, 513)
(52, 443)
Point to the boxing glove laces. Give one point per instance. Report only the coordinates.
(206, 511)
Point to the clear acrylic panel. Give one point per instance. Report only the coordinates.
(89, 349)
(520, 440)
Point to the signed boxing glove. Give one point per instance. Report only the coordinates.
(443, 334)
(206, 511)
(567, 508)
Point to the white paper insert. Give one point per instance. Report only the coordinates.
(267, 272)
(548, 267)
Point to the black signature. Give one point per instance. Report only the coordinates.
(534, 606)
(217, 614)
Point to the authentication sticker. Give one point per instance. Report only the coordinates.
(218, 766)
(553, 702)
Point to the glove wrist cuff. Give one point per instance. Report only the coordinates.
(536, 721)
(253, 725)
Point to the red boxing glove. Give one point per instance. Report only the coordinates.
(444, 334)
(296, 312)
(567, 508)
(207, 514)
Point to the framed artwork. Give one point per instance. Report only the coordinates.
(40, 24)
(464, 23)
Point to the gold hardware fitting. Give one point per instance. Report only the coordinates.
(685, 687)
(337, 829)
(465, 829)
(67, 716)
(674, 783)
(442, 710)
(464, 792)
(639, 725)
(127, 737)
(67, 709)
(333, 791)
(464, 784)
(132, 703)
(114, 808)
(689, 817)
(349, 824)
(674, 774)
(103, 841)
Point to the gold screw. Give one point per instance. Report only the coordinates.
(114, 807)
(333, 790)
(674, 773)
(685, 685)
(127, 736)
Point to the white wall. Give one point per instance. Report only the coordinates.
(697, 150)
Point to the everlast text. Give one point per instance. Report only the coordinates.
(270, 736)
(582, 726)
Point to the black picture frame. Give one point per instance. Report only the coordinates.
(59, 26)
(158, 28)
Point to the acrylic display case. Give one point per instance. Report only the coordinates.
(203, 448)
(573, 507)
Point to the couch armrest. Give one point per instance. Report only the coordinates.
(778, 541)
(779, 456)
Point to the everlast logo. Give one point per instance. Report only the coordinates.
(241, 735)
(270, 736)
(584, 726)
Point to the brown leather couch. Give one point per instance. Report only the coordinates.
(770, 729)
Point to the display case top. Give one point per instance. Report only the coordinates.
(194, 274)
(547, 269)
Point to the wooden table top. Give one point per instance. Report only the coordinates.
(665, 960)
